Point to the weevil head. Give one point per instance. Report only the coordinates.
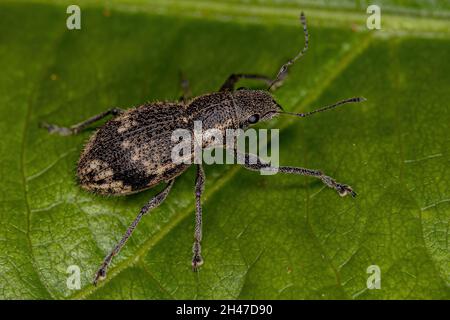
(253, 106)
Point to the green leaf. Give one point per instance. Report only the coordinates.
(276, 237)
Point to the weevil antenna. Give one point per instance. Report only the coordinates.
(351, 100)
(285, 66)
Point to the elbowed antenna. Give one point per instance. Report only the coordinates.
(285, 66)
(351, 100)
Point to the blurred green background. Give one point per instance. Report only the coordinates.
(265, 237)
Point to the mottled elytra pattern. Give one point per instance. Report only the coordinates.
(121, 157)
(133, 151)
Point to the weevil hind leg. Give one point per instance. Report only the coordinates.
(197, 259)
(254, 163)
(153, 203)
(77, 128)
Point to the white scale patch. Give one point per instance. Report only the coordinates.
(125, 125)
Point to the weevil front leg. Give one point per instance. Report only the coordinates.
(197, 259)
(77, 128)
(229, 84)
(252, 162)
(153, 203)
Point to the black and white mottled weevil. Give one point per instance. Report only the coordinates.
(132, 152)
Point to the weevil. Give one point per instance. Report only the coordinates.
(132, 151)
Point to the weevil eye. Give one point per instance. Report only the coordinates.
(253, 119)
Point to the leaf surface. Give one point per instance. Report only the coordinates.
(268, 237)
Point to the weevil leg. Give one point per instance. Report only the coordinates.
(197, 259)
(282, 73)
(153, 203)
(77, 128)
(284, 68)
(185, 89)
(252, 162)
(231, 81)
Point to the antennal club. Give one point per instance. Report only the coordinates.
(285, 66)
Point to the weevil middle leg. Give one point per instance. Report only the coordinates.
(77, 128)
(153, 203)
